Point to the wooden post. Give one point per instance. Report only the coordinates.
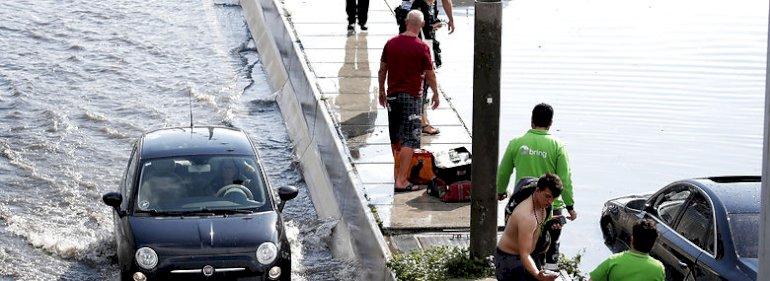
(486, 120)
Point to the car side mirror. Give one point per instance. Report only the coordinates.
(113, 199)
(286, 193)
(648, 208)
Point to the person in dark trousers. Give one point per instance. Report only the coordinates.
(513, 256)
(533, 154)
(635, 264)
(357, 9)
(405, 62)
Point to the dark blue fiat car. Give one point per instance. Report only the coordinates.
(195, 203)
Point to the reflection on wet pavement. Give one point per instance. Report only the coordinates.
(356, 112)
(345, 65)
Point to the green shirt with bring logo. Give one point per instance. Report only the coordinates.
(535, 153)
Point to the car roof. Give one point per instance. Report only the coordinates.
(199, 140)
(739, 194)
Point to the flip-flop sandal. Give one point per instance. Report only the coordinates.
(426, 129)
(408, 187)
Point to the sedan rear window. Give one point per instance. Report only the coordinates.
(745, 230)
(200, 183)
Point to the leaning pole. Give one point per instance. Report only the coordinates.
(486, 119)
(764, 223)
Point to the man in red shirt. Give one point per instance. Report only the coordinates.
(405, 62)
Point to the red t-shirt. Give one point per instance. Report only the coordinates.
(407, 59)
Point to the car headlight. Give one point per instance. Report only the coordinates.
(266, 253)
(146, 258)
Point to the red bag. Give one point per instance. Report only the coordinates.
(455, 192)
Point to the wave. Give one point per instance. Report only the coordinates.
(58, 122)
(76, 47)
(15, 158)
(228, 3)
(113, 134)
(94, 116)
(91, 241)
(309, 244)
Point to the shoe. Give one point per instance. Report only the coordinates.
(364, 27)
(551, 266)
(430, 130)
(408, 187)
(351, 27)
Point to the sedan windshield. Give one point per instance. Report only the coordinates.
(201, 184)
(745, 230)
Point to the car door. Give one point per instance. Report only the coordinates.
(695, 233)
(698, 227)
(666, 208)
(122, 238)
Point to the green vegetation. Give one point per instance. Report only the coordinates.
(444, 262)
(571, 266)
(376, 215)
(439, 263)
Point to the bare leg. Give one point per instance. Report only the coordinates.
(395, 149)
(404, 158)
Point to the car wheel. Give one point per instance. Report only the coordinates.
(610, 235)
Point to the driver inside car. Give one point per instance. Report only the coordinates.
(231, 172)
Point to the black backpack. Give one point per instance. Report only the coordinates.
(401, 12)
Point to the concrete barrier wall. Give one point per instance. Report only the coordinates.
(334, 187)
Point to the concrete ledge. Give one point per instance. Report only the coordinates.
(335, 190)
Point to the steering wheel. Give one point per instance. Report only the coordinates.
(225, 188)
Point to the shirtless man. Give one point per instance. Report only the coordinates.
(513, 259)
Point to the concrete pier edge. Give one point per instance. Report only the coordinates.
(335, 189)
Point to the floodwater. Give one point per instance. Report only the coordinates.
(645, 92)
(81, 80)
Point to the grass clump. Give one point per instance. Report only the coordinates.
(571, 266)
(439, 263)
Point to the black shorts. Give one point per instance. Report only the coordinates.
(404, 115)
(509, 267)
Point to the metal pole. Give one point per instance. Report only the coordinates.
(486, 119)
(764, 223)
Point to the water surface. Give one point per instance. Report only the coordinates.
(81, 80)
(645, 92)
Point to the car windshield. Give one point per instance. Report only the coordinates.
(745, 230)
(201, 184)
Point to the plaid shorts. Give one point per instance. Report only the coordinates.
(404, 115)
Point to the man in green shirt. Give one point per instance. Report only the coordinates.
(635, 264)
(535, 153)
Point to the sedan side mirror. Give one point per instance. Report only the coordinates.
(647, 207)
(113, 199)
(286, 193)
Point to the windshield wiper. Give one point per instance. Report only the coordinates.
(163, 213)
(234, 211)
(226, 211)
(200, 212)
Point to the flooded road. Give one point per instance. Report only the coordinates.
(81, 80)
(645, 92)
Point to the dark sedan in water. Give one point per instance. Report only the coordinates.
(708, 228)
(195, 203)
